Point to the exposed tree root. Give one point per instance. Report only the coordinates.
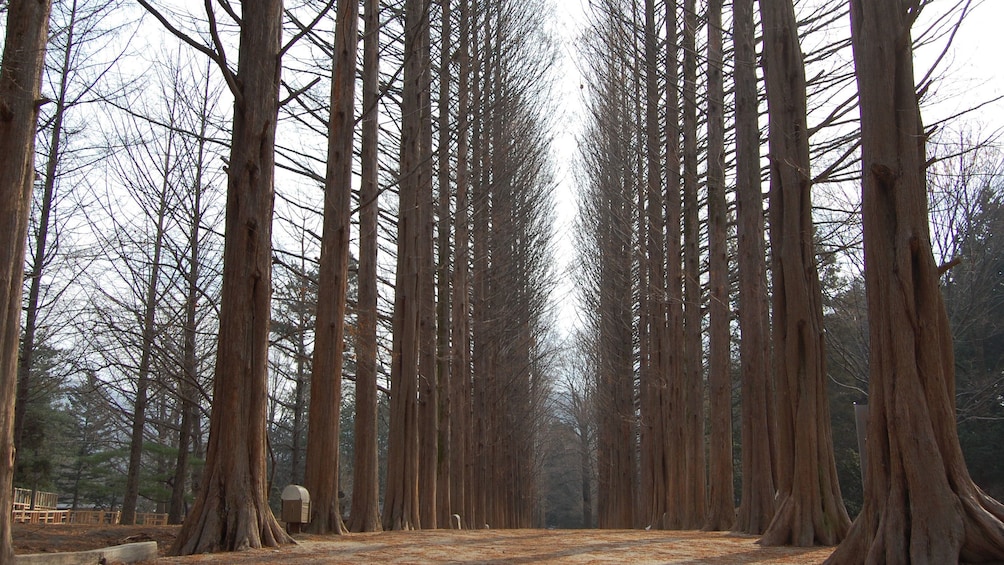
(221, 527)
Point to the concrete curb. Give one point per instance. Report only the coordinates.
(126, 553)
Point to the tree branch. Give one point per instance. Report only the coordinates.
(308, 28)
(216, 57)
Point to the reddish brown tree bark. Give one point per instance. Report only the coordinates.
(231, 511)
(364, 515)
(444, 470)
(322, 465)
(20, 81)
(721, 508)
(692, 490)
(428, 386)
(401, 501)
(810, 509)
(674, 356)
(460, 328)
(653, 377)
(921, 506)
(756, 507)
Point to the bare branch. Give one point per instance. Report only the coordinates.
(308, 28)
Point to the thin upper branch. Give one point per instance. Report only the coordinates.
(217, 56)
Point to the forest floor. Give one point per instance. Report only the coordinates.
(444, 546)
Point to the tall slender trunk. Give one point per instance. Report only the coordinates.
(428, 390)
(460, 377)
(401, 501)
(364, 516)
(187, 385)
(757, 503)
(721, 509)
(810, 509)
(653, 389)
(20, 82)
(148, 335)
(322, 464)
(693, 495)
(38, 259)
(674, 403)
(231, 511)
(444, 471)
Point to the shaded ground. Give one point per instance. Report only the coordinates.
(52, 538)
(447, 546)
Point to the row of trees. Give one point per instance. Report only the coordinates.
(658, 249)
(165, 321)
(144, 322)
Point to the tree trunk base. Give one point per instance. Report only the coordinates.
(801, 526)
(368, 523)
(971, 530)
(213, 527)
(333, 525)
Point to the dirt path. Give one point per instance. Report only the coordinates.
(447, 546)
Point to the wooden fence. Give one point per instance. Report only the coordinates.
(44, 511)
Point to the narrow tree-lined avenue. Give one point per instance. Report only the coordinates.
(391, 310)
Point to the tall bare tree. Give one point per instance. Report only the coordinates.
(606, 214)
(321, 470)
(231, 510)
(364, 515)
(75, 72)
(428, 385)
(654, 382)
(460, 311)
(675, 356)
(401, 501)
(20, 82)
(444, 471)
(160, 192)
(721, 505)
(194, 218)
(692, 488)
(921, 505)
(756, 506)
(810, 509)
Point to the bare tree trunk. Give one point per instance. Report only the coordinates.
(756, 506)
(921, 505)
(321, 470)
(428, 399)
(149, 331)
(460, 377)
(810, 509)
(20, 81)
(693, 495)
(444, 471)
(188, 382)
(41, 241)
(364, 515)
(674, 403)
(721, 509)
(585, 469)
(654, 385)
(231, 511)
(401, 501)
